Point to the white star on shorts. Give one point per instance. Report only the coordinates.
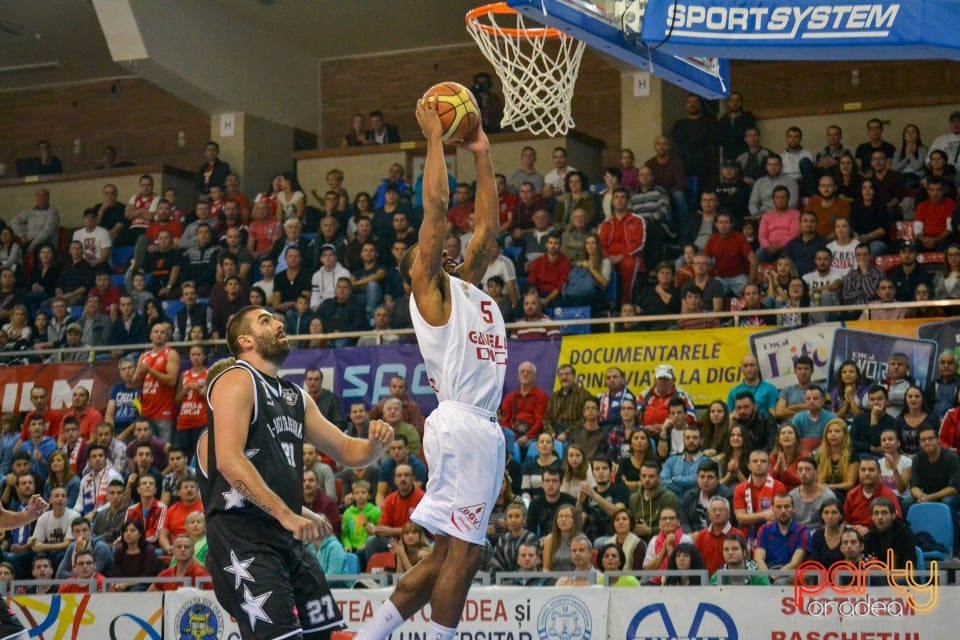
(234, 499)
(239, 569)
(253, 606)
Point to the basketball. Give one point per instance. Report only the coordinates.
(457, 108)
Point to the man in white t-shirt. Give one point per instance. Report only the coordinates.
(824, 281)
(324, 281)
(96, 240)
(555, 177)
(948, 142)
(52, 534)
(501, 265)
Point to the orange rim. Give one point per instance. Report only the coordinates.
(501, 8)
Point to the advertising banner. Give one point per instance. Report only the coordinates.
(707, 362)
(17, 382)
(490, 612)
(192, 614)
(98, 616)
(508, 613)
(362, 374)
(871, 351)
(945, 334)
(777, 352)
(770, 613)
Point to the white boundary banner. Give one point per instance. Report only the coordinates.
(776, 352)
(196, 615)
(98, 616)
(499, 613)
(770, 613)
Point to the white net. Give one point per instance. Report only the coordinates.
(537, 69)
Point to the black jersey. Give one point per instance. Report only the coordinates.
(274, 446)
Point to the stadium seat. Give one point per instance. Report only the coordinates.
(75, 311)
(612, 292)
(338, 483)
(921, 561)
(116, 280)
(309, 236)
(516, 453)
(385, 561)
(572, 313)
(353, 563)
(120, 258)
(934, 518)
(171, 308)
(513, 253)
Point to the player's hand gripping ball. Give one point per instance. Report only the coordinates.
(457, 109)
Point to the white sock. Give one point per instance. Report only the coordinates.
(438, 632)
(385, 621)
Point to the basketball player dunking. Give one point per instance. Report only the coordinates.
(463, 343)
(251, 468)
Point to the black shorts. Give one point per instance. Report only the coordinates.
(270, 583)
(10, 626)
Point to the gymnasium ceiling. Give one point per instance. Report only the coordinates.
(65, 35)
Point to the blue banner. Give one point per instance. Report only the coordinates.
(871, 352)
(804, 29)
(362, 374)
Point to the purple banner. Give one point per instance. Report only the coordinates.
(871, 351)
(363, 373)
(945, 334)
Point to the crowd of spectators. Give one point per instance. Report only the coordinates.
(645, 479)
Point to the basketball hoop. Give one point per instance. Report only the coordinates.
(537, 67)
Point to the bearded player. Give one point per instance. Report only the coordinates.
(463, 343)
(251, 464)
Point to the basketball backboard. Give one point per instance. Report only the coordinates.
(604, 26)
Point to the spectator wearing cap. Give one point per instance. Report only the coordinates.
(324, 280)
(948, 143)
(74, 341)
(909, 273)
(764, 393)
(654, 404)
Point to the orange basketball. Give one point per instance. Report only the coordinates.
(458, 110)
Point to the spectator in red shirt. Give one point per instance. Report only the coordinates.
(709, 541)
(108, 294)
(549, 272)
(150, 511)
(85, 569)
(186, 567)
(457, 214)
(734, 262)
(523, 410)
(87, 417)
(623, 237)
(40, 398)
(508, 200)
(857, 510)
(395, 511)
(935, 214)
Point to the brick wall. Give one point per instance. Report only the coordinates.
(392, 84)
(139, 119)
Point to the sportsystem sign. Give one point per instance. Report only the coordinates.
(804, 29)
(782, 23)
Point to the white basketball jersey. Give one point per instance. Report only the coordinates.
(466, 358)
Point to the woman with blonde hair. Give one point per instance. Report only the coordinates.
(837, 466)
(409, 546)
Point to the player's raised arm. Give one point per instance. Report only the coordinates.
(486, 211)
(436, 195)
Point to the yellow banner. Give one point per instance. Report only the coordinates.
(707, 362)
(906, 328)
